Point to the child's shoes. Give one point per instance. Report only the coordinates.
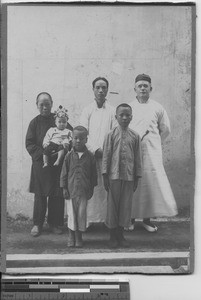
(71, 238)
(78, 239)
(122, 242)
(113, 243)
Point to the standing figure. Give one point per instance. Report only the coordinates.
(44, 182)
(153, 197)
(57, 138)
(78, 179)
(99, 119)
(121, 171)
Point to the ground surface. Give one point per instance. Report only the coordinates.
(171, 236)
(165, 251)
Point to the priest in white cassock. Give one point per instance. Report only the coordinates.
(99, 119)
(153, 197)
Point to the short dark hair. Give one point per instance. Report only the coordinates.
(100, 78)
(43, 93)
(81, 129)
(123, 105)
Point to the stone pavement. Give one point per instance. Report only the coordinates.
(165, 251)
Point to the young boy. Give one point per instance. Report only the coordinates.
(78, 179)
(56, 138)
(121, 169)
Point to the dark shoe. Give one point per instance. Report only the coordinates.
(78, 239)
(71, 238)
(121, 240)
(35, 231)
(113, 243)
(123, 243)
(55, 230)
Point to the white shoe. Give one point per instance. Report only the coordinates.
(35, 231)
(130, 228)
(149, 228)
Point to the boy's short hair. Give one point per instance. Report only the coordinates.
(123, 105)
(100, 78)
(81, 129)
(43, 93)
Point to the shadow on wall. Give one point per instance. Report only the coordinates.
(182, 180)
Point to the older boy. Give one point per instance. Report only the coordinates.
(78, 179)
(121, 170)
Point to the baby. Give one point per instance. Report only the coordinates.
(57, 139)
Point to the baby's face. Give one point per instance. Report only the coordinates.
(61, 123)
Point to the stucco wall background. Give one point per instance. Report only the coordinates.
(61, 49)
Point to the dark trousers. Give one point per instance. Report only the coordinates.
(55, 210)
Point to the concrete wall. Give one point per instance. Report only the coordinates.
(61, 49)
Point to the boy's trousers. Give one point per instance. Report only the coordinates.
(77, 216)
(119, 203)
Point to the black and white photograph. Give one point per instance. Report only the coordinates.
(100, 119)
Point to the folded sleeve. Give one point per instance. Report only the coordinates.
(94, 177)
(47, 138)
(164, 125)
(107, 154)
(138, 158)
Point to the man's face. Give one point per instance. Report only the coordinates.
(100, 91)
(44, 105)
(124, 116)
(143, 89)
(61, 123)
(79, 140)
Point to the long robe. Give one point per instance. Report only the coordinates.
(153, 197)
(98, 121)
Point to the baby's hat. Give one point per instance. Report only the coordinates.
(61, 112)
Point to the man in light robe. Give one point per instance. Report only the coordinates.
(99, 119)
(153, 197)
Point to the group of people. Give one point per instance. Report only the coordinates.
(109, 168)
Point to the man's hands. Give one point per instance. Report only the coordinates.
(66, 146)
(99, 153)
(106, 182)
(66, 194)
(135, 183)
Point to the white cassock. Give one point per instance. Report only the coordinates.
(98, 121)
(153, 197)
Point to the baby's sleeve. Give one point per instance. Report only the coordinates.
(47, 138)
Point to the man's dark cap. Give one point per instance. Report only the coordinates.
(143, 77)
